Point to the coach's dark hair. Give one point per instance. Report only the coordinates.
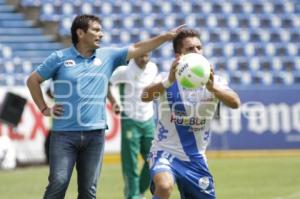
(81, 22)
(177, 41)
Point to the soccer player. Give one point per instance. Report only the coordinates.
(177, 154)
(80, 74)
(137, 122)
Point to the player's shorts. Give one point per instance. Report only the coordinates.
(193, 179)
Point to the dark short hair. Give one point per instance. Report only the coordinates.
(81, 22)
(177, 41)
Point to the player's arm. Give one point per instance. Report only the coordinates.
(148, 45)
(226, 96)
(153, 91)
(119, 76)
(112, 100)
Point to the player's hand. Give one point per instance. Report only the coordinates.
(174, 32)
(116, 108)
(210, 83)
(172, 73)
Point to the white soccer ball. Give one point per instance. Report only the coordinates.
(193, 71)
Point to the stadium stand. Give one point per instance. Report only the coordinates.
(23, 45)
(254, 42)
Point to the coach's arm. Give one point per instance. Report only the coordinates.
(34, 85)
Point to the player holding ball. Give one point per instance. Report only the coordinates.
(183, 131)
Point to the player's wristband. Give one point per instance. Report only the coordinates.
(45, 108)
(166, 83)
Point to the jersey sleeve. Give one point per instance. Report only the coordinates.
(119, 75)
(221, 82)
(49, 66)
(160, 76)
(119, 55)
(154, 71)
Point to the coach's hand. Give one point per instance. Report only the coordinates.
(57, 110)
(174, 32)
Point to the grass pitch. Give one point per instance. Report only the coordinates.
(235, 178)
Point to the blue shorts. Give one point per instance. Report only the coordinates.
(193, 179)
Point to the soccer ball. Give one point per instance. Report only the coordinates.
(193, 71)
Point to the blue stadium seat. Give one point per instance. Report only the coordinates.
(9, 67)
(237, 8)
(265, 64)
(296, 77)
(214, 37)
(218, 51)
(239, 51)
(260, 51)
(49, 13)
(266, 77)
(186, 8)
(240, 78)
(126, 8)
(31, 3)
(6, 8)
(67, 9)
(11, 16)
(5, 52)
(106, 8)
(278, 8)
(254, 41)
(234, 36)
(196, 8)
(24, 39)
(265, 22)
(257, 79)
(65, 26)
(295, 36)
(286, 77)
(146, 8)
(268, 7)
(220, 64)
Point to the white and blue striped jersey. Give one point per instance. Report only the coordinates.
(184, 119)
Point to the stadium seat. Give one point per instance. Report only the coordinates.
(249, 49)
(196, 8)
(106, 8)
(257, 79)
(257, 8)
(268, 7)
(295, 36)
(265, 22)
(186, 8)
(296, 78)
(126, 8)
(267, 77)
(234, 37)
(145, 8)
(5, 52)
(240, 78)
(254, 39)
(284, 77)
(265, 64)
(232, 21)
(238, 8)
(260, 51)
